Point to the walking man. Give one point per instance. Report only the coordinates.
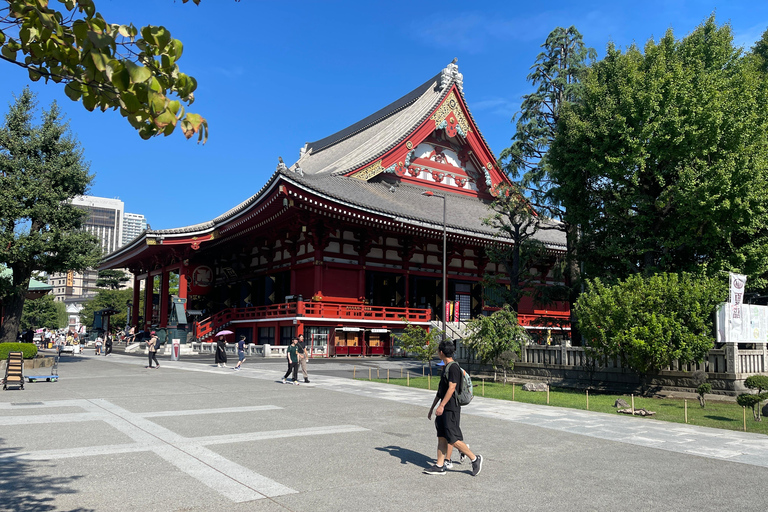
(303, 357)
(240, 352)
(293, 361)
(448, 414)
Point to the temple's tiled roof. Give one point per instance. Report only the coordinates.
(323, 164)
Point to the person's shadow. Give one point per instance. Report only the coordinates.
(407, 456)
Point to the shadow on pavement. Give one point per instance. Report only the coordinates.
(24, 489)
(407, 456)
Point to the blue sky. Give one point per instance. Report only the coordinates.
(274, 75)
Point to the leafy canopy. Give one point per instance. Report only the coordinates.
(663, 163)
(44, 312)
(649, 322)
(104, 65)
(115, 299)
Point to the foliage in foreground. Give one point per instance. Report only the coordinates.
(649, 322)
(496, 339)
(415, 340)
(104, 65)
(760, 383)
(29, 350)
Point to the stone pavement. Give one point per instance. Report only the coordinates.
(112, 435)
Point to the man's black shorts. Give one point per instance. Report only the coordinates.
(448, 427)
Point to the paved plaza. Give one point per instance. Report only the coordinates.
(112, 435)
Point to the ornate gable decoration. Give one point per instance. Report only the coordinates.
(451, 117)
(369, 172)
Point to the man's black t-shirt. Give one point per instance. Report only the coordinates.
(301, 346)
(454, 375)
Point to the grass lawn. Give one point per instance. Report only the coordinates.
(726, 415)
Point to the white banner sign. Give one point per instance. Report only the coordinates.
(746, 323)
(738, 283)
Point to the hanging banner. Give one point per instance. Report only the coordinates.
(737, 285)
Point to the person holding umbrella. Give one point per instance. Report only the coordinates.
(220, 357)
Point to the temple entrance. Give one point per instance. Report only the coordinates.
(426, 293)
(385, 289)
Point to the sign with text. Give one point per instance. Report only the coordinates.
(744, 323)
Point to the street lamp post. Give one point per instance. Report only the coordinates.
(445, 268)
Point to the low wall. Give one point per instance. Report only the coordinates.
(564, 365)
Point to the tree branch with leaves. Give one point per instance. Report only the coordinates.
(104, 65)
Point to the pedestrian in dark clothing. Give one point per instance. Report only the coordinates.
(221, 352)
(108, 345)
(240, 352)
(152, 350)
(448, 414)
(293, 361)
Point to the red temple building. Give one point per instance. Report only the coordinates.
(346, 244)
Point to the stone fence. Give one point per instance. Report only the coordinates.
(726, 368)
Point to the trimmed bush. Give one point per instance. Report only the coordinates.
(29, 350)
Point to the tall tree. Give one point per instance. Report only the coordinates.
(514, 219)
(104, 65)
(41, 169)
(557, 75)
(663, 163)
(112, 279)
(43, 312)
(114, 299)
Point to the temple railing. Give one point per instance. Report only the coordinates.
(330, 310)
(728, 360)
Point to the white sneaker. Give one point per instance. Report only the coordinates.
(285, 381)
(448, 464)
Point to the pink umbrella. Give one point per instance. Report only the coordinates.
(224, 333)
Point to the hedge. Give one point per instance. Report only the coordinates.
(29, 350)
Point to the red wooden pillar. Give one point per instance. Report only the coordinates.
(318, 274)
(164, 298)
(148, 286)
(183, 286)
(135, 313)
(361, 283)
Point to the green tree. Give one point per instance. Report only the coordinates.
(416, 340)
(42, 312)
(649, 322)
(557, 75)
(104, 65)
(663, 163)
(495, 339)
(112, 279)
(515, 221)
(41, 170)
(115, 299)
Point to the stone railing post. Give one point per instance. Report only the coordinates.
(732, 358)
(267, 350)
